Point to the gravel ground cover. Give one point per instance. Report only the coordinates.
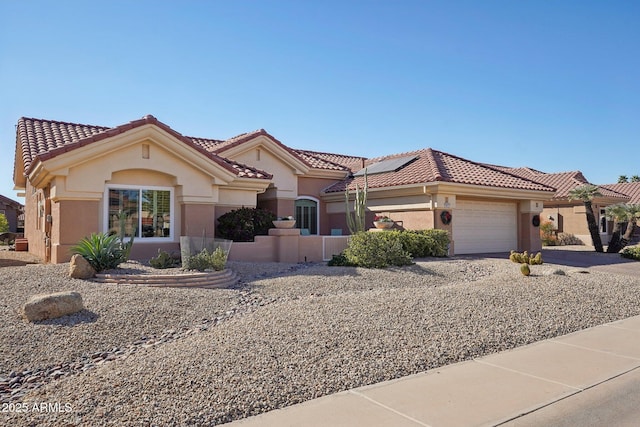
(287, 334)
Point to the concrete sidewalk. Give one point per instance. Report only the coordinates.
(491, 390)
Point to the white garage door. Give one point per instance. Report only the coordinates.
(484, 227)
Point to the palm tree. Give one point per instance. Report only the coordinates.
(635, 178)
(623, 178)
(633, 212)
(586, 193)
(619, 214)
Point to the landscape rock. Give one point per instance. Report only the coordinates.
(79, 268)
(51, 306)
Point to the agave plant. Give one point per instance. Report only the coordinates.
(102, 251)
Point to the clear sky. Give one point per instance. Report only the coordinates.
(553, 85)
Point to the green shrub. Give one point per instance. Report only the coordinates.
(164, 260)
(4, 223)
(568, 239)
(425, 243)
(242, 225)
(377, 250)
(547, 234)
(102, 251)
(219, 259)
(632, 252)
(339, 260)
(205, 260)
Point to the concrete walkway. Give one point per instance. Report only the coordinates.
(554, 382)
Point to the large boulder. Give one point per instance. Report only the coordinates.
(51, 306)
(79, 268)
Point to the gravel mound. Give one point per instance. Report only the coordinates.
(289, 333)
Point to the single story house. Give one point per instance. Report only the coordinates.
(568, 216)
(12, 211)
(145, 178)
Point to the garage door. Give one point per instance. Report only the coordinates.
(484, 227)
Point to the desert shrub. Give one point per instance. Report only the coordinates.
(632, 252)
(547, 234)
(4, 223)
(164, 260)
(568, 239)
(102, 251)
(242, 225)
(339, 260)
(425, 243)
(205, 260)
(377, 250)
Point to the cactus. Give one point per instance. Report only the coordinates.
(524, 269)
(537, 260)
(526, 258)
(356, 219)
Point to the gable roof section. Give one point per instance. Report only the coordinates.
(45, 139)
(563, 182)
(437, 166)
(630, 189)
(330, 161)
(10, 202)
(313, 159)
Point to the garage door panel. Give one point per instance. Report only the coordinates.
(484, 227)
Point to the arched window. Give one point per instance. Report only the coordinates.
(307, 214)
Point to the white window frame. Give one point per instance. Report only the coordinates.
(317, 202)
(140, 188)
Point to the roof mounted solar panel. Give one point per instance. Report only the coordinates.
(390, 165)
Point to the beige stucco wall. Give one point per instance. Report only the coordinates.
(571, 219)
(284, 177)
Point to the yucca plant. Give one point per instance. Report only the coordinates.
(102, 251)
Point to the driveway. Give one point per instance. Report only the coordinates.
(586, 257)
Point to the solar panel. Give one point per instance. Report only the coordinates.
(390, 165)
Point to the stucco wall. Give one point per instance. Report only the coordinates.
(72, 221)
(284, 177)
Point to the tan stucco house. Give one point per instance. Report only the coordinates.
(568, 216)
(148, 179)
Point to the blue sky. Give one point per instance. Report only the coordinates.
(551, 85)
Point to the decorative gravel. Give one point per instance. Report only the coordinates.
(288, 333)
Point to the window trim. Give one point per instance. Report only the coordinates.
(317, 202)
(140, 188)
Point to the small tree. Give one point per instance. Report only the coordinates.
(4, 223)
(586, 193)
(356, 219)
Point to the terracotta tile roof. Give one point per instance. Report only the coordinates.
(332, 161)
(563, 182)
(46, 139)
(630, 189)
(41, 136)
(437, 166)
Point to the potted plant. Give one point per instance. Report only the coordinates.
(383, 221)
(285, 222)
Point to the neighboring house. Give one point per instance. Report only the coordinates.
(12, 210)
(147, 179)
(568, 216)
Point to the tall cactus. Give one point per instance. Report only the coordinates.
(356, 219)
